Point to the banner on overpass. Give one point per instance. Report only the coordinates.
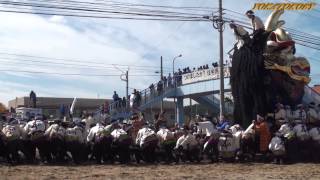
(204, 75)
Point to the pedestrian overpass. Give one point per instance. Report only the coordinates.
(196, 85)
(201, 86)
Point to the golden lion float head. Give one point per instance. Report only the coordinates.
(280, 50)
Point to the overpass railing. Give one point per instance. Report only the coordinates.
(312, 94)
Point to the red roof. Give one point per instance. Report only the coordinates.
(316, 88)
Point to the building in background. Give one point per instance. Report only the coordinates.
(52, 106)
(316, 88)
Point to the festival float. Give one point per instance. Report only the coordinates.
(266, 71)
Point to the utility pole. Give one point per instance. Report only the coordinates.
(161, 78)
(126, 79)
(221, 68)
(127, 88)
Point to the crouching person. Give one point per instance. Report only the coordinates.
(147, 140)
(290, 142)
(262, 136)
(277, 148)
(303, 142)
(210, 135)
(35, 130)
(187, 147)
(167, 143)
(122, 143)
(12, 141)
(75, 142)
(315, 143)
(56, 134)
(97, 137)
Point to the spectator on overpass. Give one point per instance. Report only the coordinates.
(170, 80)
(115, 96)
(151, 87)
(124, 102)
(160, 87)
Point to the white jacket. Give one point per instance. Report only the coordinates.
(276, 146)
(289, 115)
(186, 140)
(312, 115)
(315, 134)
(34, 126)
(95, 131)
(132, 98)
(117, 133)
(299, 116)
(76, 133)
(206, 128)
(280, 116)
(165, 134)
(12, 131)
(89, 121)
(55, 130)
(301, 132)
(143, 134)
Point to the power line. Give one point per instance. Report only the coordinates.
(86, 9)
(99, 64)
(76, 11)
(69, 74)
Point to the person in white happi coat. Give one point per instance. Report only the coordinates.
(280, 115)
(277, 147)
(12, 134)
(56, 134)
(56, 130)
(299, 115)
(96, 138)
(289, 113)
(34, 139)
(95, 132)
(122, 143)
(75, 141)
(167, 142)
(145, 135)
(147, 140)
(11, 130)
(165, 135)
(187, 140)
(312, 115)
(187, 146)
(206, 127)
(257, 25)
(76, 133)
(301, 132)
(315, 134)
(315, 144)
(89, 122)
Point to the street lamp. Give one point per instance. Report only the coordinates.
(180, 55)
(174, 80)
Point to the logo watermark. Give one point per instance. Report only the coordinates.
(285, 6)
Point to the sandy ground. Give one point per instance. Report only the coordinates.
(185, 171)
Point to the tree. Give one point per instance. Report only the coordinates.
(3, 108)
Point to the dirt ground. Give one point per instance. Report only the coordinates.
(185, 171)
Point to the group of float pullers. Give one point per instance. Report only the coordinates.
(285, 135)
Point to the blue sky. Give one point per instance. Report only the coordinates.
(120, 42)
